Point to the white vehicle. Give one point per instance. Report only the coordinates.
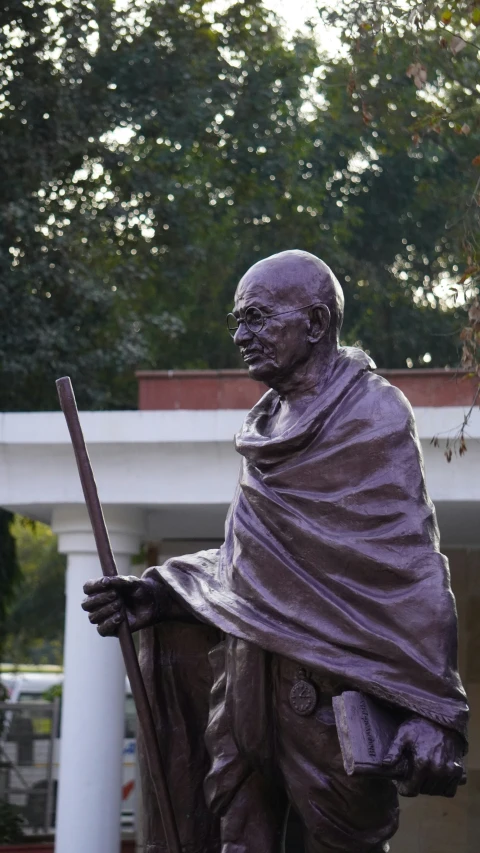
(33, 687)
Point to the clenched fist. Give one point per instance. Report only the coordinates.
(435, 755)
(142, 601)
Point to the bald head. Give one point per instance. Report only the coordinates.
(297, 278)
(287, 317)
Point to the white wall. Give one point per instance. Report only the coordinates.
(180, 467)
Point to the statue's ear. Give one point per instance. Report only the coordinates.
(319, 323)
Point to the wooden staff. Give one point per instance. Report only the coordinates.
(109, 569)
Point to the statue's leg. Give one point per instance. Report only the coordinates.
(251, 806)
(340, 813)
(254, 820)
(178, 678)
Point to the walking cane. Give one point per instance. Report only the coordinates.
(109, 569)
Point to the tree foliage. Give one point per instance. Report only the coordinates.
(117, 253)
(34, 623)
(410, 74)
(151, 152)
(11, 823)
(9, 569)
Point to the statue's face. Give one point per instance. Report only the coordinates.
(275, 350)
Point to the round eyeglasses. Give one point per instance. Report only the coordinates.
(254, 318)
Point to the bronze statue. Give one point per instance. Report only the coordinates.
(330, 579)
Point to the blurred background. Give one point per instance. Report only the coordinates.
(150, 152)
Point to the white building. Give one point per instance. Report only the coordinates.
(166, 474)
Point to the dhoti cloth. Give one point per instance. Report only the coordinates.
(178, 677)
(291, 760)
(233, 779)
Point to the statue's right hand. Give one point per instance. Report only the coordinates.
(110, 600)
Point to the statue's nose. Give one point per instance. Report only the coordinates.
(243, 334)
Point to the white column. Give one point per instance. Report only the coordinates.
(90, 774)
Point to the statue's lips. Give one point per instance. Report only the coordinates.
(252, 355)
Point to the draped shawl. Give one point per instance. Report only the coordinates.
(331, 554)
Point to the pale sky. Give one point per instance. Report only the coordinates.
(294, 12)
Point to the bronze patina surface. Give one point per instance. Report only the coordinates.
(330, 579)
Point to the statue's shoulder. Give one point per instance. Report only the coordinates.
(375, 398)
(364, 393)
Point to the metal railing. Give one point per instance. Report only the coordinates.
(29, 761)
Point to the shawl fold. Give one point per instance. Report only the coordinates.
(331, 555)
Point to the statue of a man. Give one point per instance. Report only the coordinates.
(330, 578)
